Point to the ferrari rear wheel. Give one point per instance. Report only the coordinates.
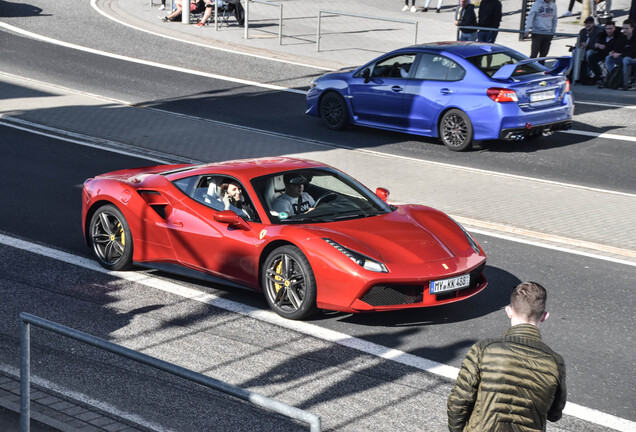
(333, 111)
(289, 283)
(456, 131)
(110, 238)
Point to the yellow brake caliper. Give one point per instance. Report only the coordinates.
(121, 234)
(278, 271)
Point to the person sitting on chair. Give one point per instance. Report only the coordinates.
(294, 201)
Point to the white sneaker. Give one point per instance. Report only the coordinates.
(413, 9)
(566, 14)
(162, 7)
(405, 8)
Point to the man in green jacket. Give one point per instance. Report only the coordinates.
(514, 383)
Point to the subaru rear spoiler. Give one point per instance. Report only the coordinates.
(561, 64)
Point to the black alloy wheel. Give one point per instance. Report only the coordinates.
(289, 283)
(333, 111)
(456, 131)
(110, 238)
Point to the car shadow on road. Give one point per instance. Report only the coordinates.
(17, 9)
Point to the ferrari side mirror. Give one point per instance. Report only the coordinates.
(232, 219)
(383, 193)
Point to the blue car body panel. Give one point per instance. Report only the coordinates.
(412, 105)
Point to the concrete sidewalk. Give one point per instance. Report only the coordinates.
(345, 40)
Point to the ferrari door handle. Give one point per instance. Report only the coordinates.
(446, 91)
(397, 89)
(178, 224)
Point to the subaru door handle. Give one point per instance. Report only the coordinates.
(397, 89)
(446, 91)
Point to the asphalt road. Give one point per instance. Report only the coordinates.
(590, 300)
(578, 159)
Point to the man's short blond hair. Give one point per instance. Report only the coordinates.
(528, 300)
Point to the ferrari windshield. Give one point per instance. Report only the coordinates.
(316, 195)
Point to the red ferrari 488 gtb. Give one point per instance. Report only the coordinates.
(307, 235)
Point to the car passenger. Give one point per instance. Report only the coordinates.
(294, 201)
(232, 197)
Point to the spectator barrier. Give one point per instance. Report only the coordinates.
(26, 320)
(267, 3)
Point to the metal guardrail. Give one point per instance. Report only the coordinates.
(267, 3)
(26, 320)
(330, 12)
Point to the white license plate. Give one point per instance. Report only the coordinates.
(541, 96)
(451, 284)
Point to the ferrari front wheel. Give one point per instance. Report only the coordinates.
(456, 131)
(289, 283)
(110, 238)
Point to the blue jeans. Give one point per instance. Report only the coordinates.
(470, 37)
(628, 69)
(486, 36)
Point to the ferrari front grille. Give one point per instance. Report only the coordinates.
(389, 295)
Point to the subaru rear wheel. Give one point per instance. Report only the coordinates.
(456, 131)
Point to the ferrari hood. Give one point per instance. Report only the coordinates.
(411, 234)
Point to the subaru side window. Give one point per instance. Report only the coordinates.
(397, 66)
(438, 68)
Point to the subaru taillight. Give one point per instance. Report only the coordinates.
(567, 86)
(501, 94)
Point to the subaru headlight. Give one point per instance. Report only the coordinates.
(473, 243)
(363, 261)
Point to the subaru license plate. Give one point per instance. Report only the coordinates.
(542, 95)
(451, 284)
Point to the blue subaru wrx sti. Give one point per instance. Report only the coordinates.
(459, 92)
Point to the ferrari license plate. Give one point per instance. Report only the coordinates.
(542, 95)
(452, 284)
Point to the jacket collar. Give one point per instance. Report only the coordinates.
(527, 331)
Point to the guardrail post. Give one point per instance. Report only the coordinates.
(25, 377)
(185, 11)
(280, 25)
(247, 19)
(318, 32)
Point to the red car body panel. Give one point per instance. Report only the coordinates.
(417, 244)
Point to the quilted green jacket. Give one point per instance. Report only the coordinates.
(510, 384)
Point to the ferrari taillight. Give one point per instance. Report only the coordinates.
(501, 94)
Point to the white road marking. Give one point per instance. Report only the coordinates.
(439, 369)
(148, 63)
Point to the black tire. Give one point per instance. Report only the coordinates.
(456, 131)
(110, 238)
(333, 111)
(289, 284)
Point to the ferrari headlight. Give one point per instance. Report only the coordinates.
(469, 237)
(363, 261)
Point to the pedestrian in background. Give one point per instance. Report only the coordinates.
(489, 15)
(541, 19)
(465, 16)
(512, 383)
(588, 36)
(600, 49)
(428, 2)
(406, 6)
